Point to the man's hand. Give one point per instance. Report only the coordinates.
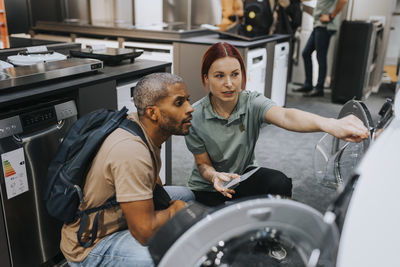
(176, 205)
(324, 18)
(220, 178)
(349, 128)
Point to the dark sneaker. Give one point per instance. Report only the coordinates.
(277, 252)
(303, 89)
(314, 93)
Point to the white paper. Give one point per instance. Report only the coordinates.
(14, 171)
(242, 178)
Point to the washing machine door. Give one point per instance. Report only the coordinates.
(235, 235)
(335, 159)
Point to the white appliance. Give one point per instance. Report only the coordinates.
(256, 67)
(371, 233)
(279, 75)
(125, 98)
(124, 95)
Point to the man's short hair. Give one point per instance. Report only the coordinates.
(152, 88)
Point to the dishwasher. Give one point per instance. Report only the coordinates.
(29, 136)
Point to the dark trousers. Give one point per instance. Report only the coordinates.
(319, 41)
(265, 181)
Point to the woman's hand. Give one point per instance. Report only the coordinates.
(220, 178)
(349, 128)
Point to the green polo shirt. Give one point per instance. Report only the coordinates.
(229, 142)
(326, 7)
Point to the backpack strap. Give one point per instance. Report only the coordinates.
(84, 215)
(136, 130)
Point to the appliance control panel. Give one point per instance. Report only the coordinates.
(66, 110)
(30, 120)
(96, 66)
(36, 118)
(10, 126)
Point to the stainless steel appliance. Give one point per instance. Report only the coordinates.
(29, 136)
(23, 75)
(109, 55)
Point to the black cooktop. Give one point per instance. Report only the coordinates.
(109, 55)
(239, 36)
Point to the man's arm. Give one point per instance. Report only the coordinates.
(143, 221)
(349, 128)
(159, 181)
(324, 18)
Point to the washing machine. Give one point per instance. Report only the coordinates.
(238, 233)
(256, 70)
(279, 75)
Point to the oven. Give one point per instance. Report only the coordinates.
(29, 136)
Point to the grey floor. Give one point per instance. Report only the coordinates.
(289, 152)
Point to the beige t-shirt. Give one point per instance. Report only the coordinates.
(122, 167)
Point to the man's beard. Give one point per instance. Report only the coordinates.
(172, 125)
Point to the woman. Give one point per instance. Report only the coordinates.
(225, 129)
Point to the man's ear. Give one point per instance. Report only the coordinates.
(152, 113)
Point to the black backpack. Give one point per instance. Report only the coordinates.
(289, 19)
(67, 171)
(257, 18)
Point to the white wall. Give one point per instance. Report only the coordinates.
(393, 51)
(148, 12)
(365, 9)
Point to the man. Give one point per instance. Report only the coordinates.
(124, 167)
(326, 23)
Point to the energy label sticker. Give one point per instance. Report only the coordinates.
(14, 171)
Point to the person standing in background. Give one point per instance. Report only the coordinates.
(287, 16)
(326, 23)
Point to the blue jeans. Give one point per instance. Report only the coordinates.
(319, 41)
(176, 192)
(121, 248)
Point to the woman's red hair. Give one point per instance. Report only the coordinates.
(217, 51)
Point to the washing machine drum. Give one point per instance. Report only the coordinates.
(240, 233)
